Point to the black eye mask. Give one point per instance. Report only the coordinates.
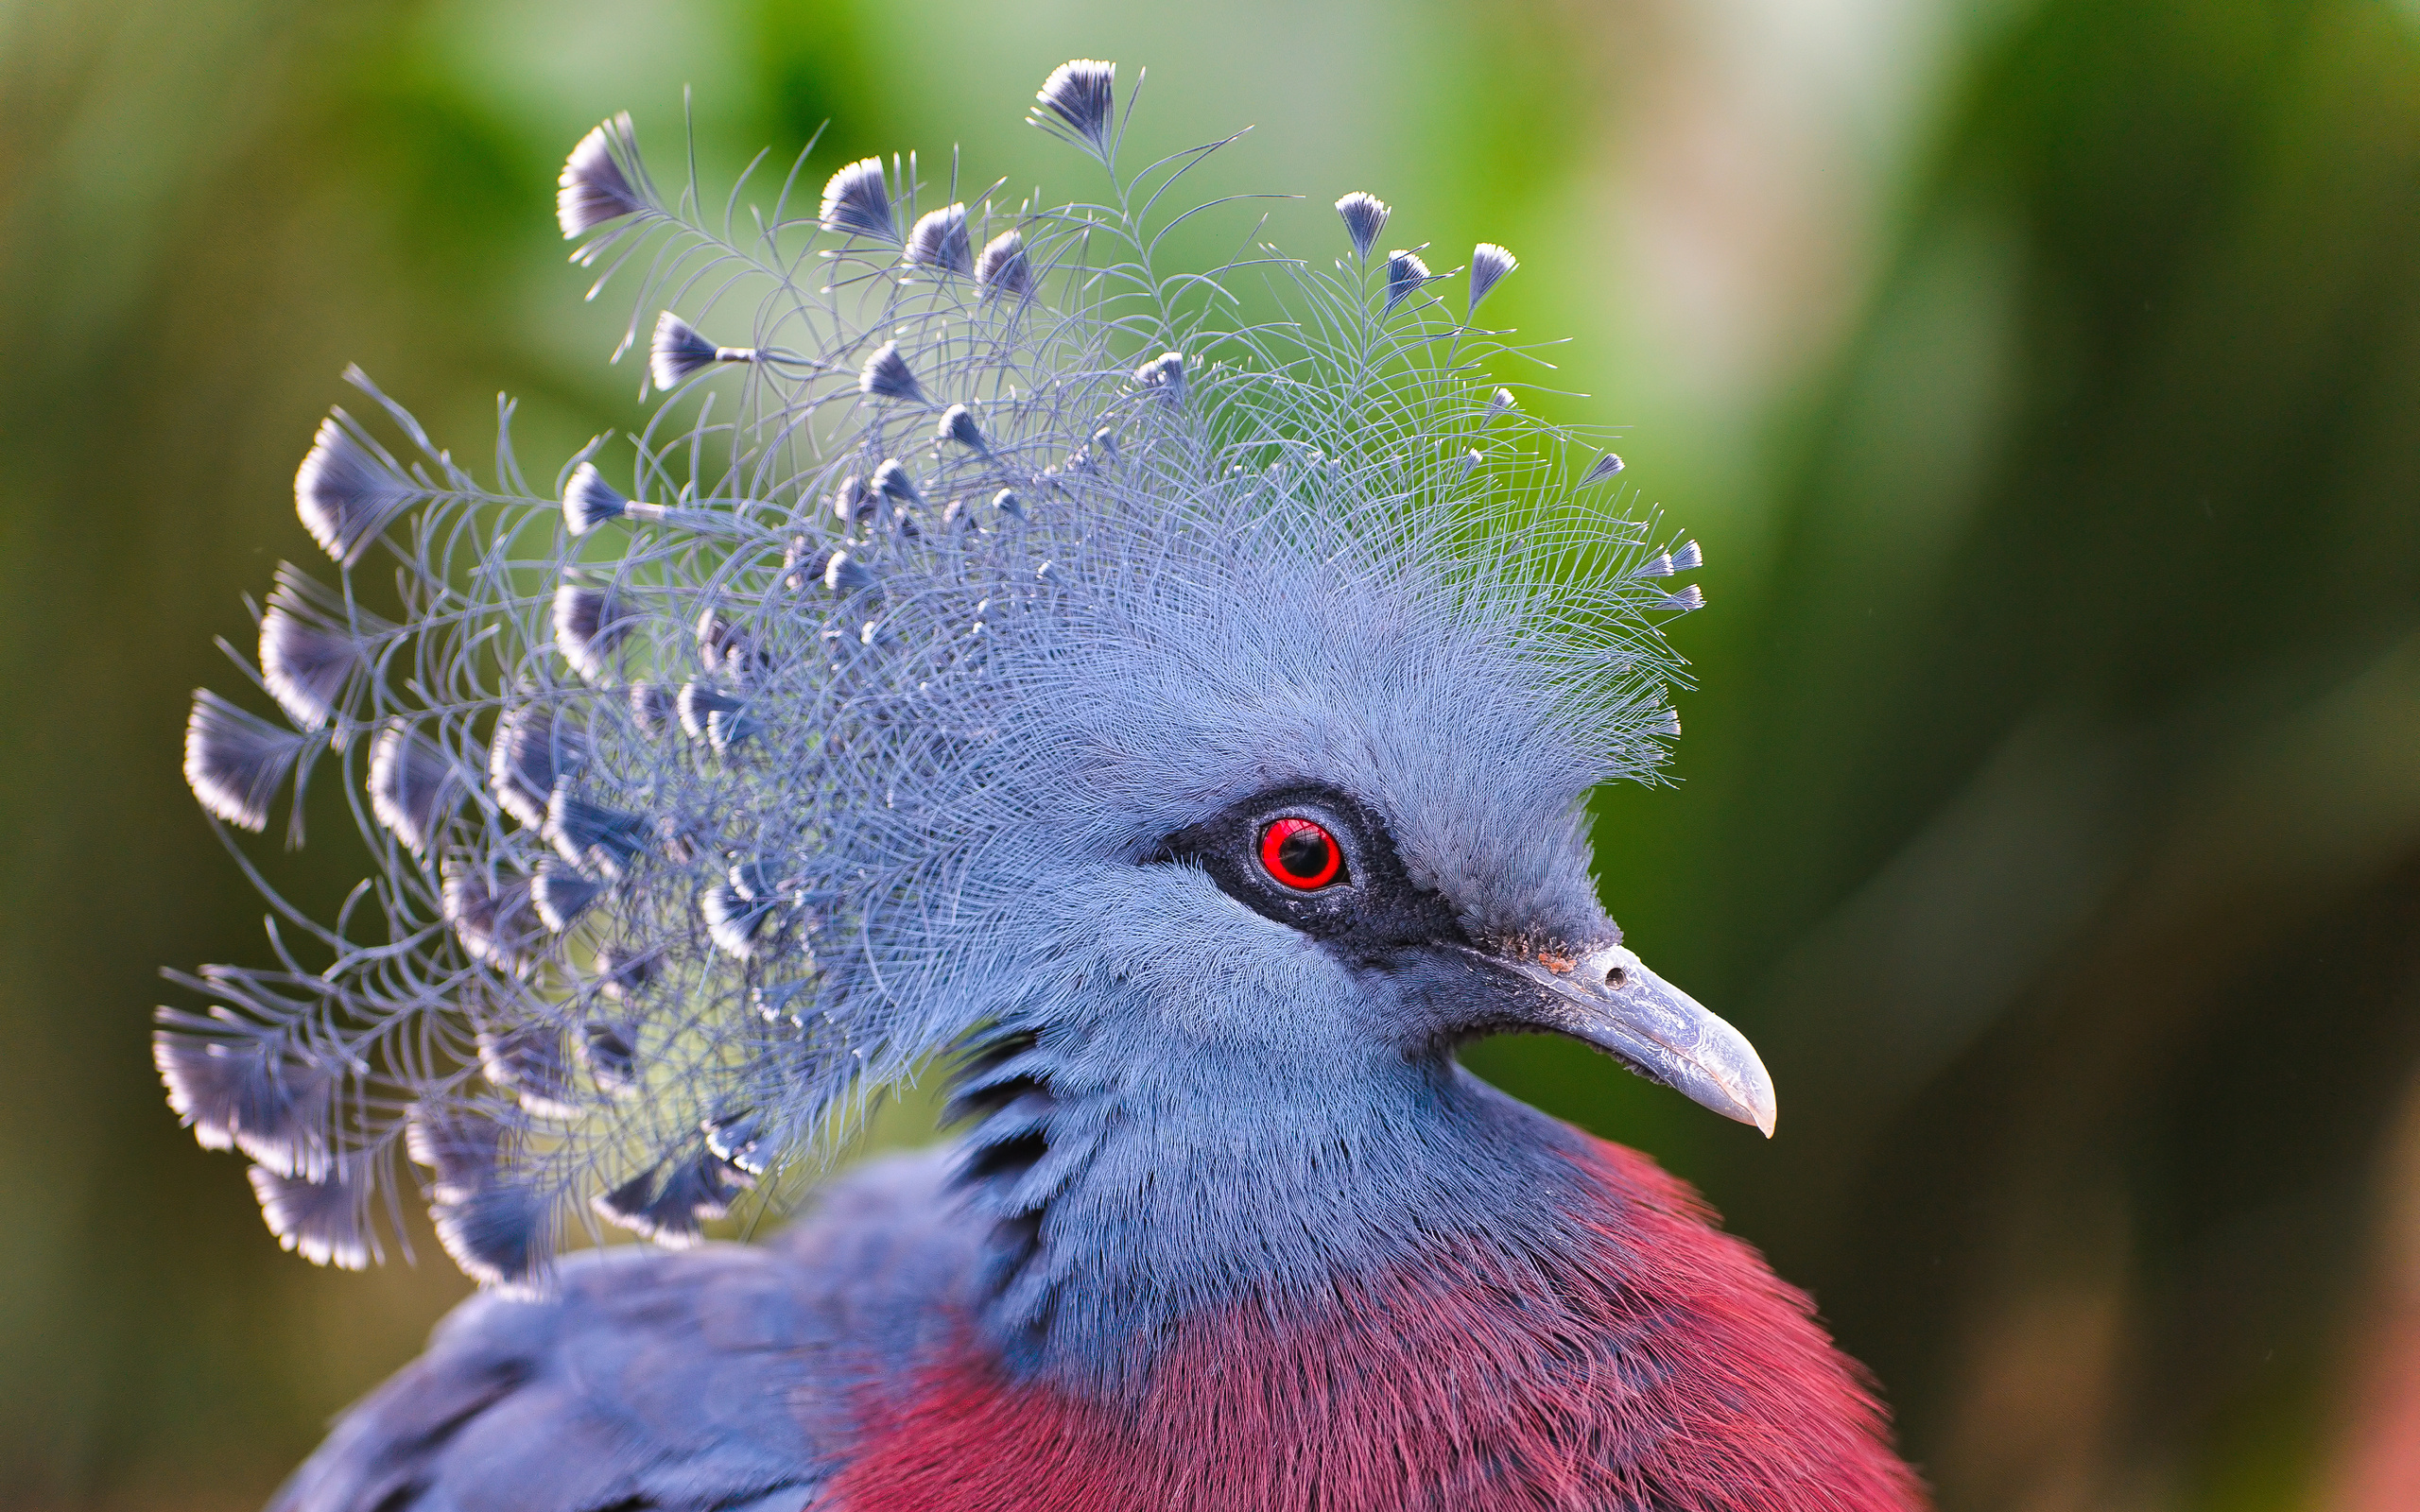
(1368, 908)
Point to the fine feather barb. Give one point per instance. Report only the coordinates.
(312, 642)
(1003, 267)
(235, 762)
(1078, 102)
(325, 1220)
(857, 201)
(348, 490)
(262, 1095)
(1489, 266)
(1365, 218)
(939, 240)
(594, 188)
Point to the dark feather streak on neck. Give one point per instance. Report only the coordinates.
(1001, 1150)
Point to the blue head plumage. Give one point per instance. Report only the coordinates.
(914, 681)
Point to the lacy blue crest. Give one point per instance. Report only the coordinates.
(708, 801)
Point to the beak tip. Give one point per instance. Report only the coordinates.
(1756, 1109)
(1763, 1109)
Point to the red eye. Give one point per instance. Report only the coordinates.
(1300, 853)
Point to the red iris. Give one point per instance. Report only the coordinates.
(1300, 853)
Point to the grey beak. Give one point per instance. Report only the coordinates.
(1609, 1000)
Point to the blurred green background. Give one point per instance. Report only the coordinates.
(2043, 377)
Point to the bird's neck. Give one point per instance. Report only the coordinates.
(1428, 1297)
(1125, 1208)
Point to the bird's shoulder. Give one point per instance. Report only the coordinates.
(726, 1377)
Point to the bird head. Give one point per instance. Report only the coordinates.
(1294, 817)
(999, 639)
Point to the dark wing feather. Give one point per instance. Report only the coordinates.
(723, 1379)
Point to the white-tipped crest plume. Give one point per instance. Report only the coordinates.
(698, 822)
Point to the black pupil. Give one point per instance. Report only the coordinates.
(1303, 852)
